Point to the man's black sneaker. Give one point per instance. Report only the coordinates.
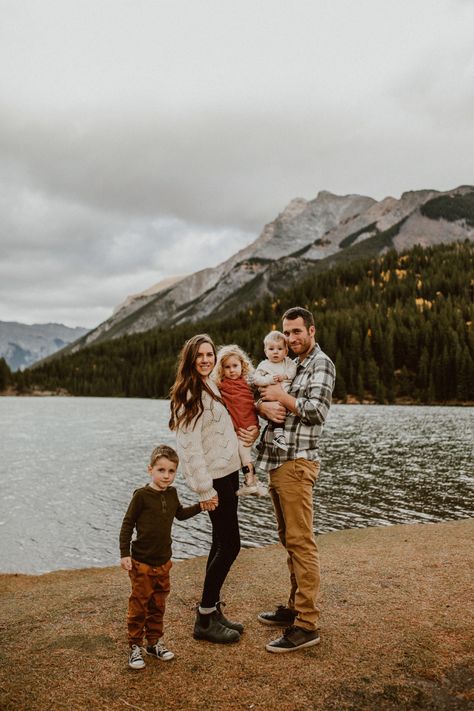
(281, 617)
(294, 638)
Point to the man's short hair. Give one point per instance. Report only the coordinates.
(297, 312)
(163, 451)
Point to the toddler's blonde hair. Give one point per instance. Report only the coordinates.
(275, 336)
(225, 352)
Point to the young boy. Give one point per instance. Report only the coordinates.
(277, 368)
(151, 511)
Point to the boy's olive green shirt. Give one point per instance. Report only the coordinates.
(152, 513)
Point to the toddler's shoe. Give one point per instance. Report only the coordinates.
(280, 443)
(135, 659)
(159, 651)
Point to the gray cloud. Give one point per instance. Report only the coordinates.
(138, 142)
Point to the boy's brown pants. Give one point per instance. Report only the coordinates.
(146, 604)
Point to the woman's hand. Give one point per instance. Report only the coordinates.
(210, 504)
(126, 563)
(248, 435)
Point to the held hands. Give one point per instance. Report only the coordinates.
(126, 563)
(210, 504)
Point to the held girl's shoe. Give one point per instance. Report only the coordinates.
(247, 490)
(208, 627)
(237, 626)
(262, 490)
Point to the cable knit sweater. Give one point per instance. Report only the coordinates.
(208, 447)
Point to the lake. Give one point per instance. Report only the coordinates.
(70, 465)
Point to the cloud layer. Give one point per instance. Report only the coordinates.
(143, 140)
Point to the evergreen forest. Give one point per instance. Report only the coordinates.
(398, 327)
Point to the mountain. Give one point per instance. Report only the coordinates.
(398, 327)
(22, 345)
(323, 231)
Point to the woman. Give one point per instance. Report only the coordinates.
(209, 453)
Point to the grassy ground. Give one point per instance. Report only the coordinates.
(397, 633)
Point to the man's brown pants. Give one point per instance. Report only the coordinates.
(291, 489)
(146, 604)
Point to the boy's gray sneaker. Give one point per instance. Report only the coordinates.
(294, 638)
(135, 659)
(159, 651)
(281, 617)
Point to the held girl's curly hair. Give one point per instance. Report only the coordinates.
(186, 393)
(225, 352)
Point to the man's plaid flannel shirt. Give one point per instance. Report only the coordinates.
(312, 387)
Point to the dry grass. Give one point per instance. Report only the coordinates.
(396, 633)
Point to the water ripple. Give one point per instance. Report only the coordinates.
(70, 465)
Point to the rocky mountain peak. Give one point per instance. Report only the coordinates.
(306, 232)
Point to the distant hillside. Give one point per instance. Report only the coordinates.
(328, 230)
(22, 345)
(398, 326)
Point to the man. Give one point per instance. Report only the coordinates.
(303, 410)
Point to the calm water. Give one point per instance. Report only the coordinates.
(69, 466)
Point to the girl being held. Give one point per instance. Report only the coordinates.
(231, 373)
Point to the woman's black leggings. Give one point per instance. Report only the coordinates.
(225, 538)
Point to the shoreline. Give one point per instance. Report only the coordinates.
(396, 632)
(350, 400)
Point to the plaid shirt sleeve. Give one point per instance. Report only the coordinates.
(313, 404)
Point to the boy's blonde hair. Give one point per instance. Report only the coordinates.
(225, 352)
(163, 451)
(273, 337)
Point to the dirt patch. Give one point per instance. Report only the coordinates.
(396, 633)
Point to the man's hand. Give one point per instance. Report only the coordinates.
(272, 392)
(126, 563)
(248, 435)
(272, 411)
(275, 393)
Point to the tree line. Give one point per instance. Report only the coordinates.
(397, 326)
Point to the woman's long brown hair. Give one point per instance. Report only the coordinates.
(186, 393)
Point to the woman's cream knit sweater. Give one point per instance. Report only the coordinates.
(208, 448)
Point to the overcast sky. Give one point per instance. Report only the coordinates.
(145, 138)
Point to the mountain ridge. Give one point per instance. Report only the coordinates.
(24, 344)
(323, 230)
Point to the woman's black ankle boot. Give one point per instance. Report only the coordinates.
(208, 627)
(237, 626)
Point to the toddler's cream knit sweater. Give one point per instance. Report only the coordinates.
(208, 448)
